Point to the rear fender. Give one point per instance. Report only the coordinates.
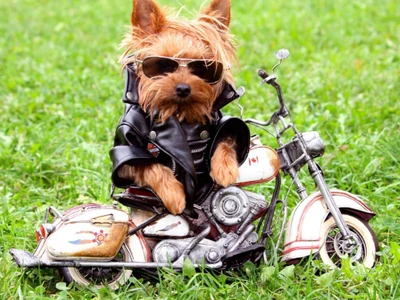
(303, 230)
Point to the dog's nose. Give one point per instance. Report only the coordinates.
(183, 90)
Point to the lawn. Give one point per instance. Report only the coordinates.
(60, 91)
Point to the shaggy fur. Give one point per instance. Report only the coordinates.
(156, 33)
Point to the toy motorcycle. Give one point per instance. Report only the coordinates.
(98, 244)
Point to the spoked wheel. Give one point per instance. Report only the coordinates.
(100, 276)
(361, 248)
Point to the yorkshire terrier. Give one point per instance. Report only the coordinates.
(172, 137)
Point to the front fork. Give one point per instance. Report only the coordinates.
(319, 179)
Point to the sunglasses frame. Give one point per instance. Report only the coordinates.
(184, 62)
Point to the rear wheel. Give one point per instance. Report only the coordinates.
(362, 247)
(100, 276)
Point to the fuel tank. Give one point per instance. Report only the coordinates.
(261, 164)
(91, 232)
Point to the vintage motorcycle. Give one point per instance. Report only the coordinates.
(103, 245)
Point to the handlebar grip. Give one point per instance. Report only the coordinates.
(270, 79)
(262, 74)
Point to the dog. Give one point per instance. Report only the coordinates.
(173, 137)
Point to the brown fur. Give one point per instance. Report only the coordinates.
(206, 37)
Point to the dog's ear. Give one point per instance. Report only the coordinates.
(147, 16)
(221, 10)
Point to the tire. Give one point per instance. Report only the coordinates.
(100, 277)
(364, 252)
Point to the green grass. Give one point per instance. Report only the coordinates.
(60, 90)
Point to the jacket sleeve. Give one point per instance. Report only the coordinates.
(130, 144)
(234, 128)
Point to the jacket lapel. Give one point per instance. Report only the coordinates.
(171, 139)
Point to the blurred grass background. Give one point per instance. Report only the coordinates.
(60, 90)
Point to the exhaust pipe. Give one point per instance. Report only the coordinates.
(28, 260)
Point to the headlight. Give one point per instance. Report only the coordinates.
(314, 144)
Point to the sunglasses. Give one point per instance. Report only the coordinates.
(210, 71)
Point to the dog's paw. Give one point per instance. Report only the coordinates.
(224, 165)
(172, 195)
(162, 180)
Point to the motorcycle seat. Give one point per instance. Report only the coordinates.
(142, 198)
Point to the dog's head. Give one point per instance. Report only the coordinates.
(182, 64)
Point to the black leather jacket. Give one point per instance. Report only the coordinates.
(185, 148)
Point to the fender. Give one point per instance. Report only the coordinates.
(138, 248)
(303, 230)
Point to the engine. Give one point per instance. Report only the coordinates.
(231, 210)
(233, 206)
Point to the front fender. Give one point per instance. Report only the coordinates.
(303, 231)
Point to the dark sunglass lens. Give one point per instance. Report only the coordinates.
(156, 66)
(209, 71)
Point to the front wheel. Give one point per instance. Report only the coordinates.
(362, 249)
(99, 276)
